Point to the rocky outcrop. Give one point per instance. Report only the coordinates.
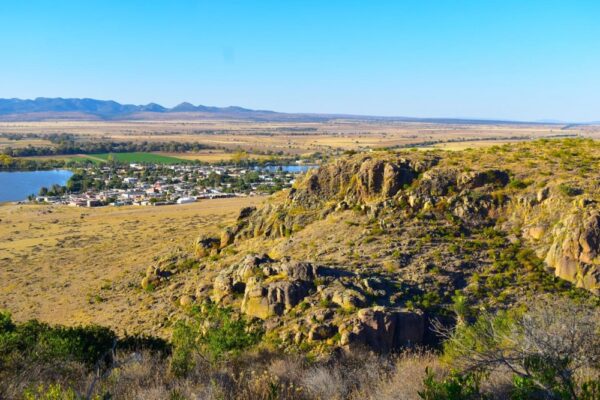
(418, 220)
(269, 288)
(336, 302)
(206, 245)
(263, 299)
(575, 251)
(348, 181)
(382, 329)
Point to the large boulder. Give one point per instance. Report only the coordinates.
(475, 179)
(383, 330)
(380, 178)
(206, 245)
(302, 271)
(575, 251)
(227, 237)
(265, 299)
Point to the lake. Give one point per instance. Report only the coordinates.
(294, 169)
(17, 185)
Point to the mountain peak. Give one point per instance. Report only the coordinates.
(184, 107)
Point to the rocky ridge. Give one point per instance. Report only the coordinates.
(368, 249)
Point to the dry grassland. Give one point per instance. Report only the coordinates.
(77, 266)
(296, 137)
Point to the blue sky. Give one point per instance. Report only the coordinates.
(525, 60)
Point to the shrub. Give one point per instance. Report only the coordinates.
(453, 387)
(34, 340)
(568, 190)
(551, 348)
(50, 392)
(517, 184)
(213, 333)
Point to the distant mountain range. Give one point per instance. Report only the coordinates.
(51, 108)
(43, 108)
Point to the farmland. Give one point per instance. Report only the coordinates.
(138, 157)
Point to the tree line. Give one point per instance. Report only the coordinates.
(66, 146)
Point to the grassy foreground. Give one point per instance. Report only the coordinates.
(549, 351)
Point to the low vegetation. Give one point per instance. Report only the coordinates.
(548, 351)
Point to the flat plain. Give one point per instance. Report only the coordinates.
(297, 137)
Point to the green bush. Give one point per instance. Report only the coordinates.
(550, 348)
(453, 387)
(34, 340)
(517, 184)
(568, 190)
(50, 392)
(213, 333)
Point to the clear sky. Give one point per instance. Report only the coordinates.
(521, 59)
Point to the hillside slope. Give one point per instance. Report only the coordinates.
(370, 248)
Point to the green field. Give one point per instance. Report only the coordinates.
(138, 158)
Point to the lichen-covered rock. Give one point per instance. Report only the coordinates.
(255, 301)
(264, 299)
(383, 329)
(206, 245)
(302, 271)
(222, 286)
(321, 332)
(348, 298)
(575, 252)
(227, 237)
(147, 282)
(475, 179)
(380, 178)
(155, 275)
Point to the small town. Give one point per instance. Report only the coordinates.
(158, 185)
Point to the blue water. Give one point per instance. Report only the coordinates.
(18, 185)
(294, 169)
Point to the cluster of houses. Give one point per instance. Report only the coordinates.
(173, 188)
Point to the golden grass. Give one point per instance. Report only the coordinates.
(474, 144)
(72, 265)
(4, 143)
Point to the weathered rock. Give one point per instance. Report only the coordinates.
(574, 253)
(206, 245)
(222, 286)
(265, 299)
(147, 282)
(250, 266)
(302, 271)
(536, 232)
(475, 179)
(542, 194)
(255, 301)
(321, 332)
(227, 237)
(246, 212)
(349, 298)
(436, 182)
(384, 330)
